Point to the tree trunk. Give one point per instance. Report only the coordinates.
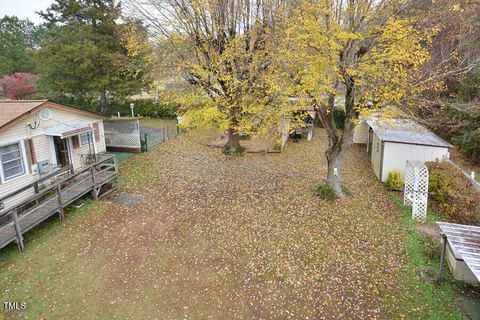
(334, 174)
(338, 143)
(233, 143)
(102, 102)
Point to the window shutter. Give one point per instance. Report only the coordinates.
(30, 153)
(75, 142)
(97, 131)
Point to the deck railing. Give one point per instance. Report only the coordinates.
(67, 187)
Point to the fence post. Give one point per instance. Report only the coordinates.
(163, 132)
(146, 142)
(18, 231)
(178, 126)
(60, 204)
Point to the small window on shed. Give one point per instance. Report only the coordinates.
(378, 146)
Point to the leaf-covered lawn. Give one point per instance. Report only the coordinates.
(225, 238)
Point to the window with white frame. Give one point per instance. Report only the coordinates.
(86, 138)
(11, 159)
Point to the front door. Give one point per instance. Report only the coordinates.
(61, 151)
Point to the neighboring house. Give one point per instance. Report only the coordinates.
(38, 136)
(390, 143)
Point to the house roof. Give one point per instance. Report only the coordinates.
(406, 131)
(14, 110)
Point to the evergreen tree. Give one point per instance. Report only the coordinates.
(85, 55)
(18, 39)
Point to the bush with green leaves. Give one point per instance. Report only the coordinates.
(394, 180)
(145, 108)
(452, 195)
(468, 141)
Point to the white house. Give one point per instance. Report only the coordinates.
(390, 143)
(37, 136)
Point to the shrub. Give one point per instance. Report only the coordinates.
(144, 107)
(468, 141)
(438, 186)
(394, 180)
(452, 195)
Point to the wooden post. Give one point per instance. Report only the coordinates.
(18, 231)
(92, 172)
(442, 259)
(163, 131)
(146, 142)
(94, 190)
(115, 163)
(60, 204)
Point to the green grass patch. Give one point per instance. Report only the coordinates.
(326, 193)
(426, 300)
(158, 123)
(44, 230)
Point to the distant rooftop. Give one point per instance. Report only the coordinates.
(406, 131)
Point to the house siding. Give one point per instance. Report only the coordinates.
(376, 156)
(397, 154)
(43, 147)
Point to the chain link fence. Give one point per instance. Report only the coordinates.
(150, 137)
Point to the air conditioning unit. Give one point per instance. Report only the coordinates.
(43, 166)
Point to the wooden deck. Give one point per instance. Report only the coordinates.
(103, 172)
(464, 242)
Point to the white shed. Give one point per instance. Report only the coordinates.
(390, 143)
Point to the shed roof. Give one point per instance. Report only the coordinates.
(464, 241)
(14, 110)
(406, 131)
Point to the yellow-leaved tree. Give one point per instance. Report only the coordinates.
(367, 52)
(222, 48)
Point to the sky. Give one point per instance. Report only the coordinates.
(24, 8)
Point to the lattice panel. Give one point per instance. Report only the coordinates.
(409, 185)
(122, 140)
(416, 189)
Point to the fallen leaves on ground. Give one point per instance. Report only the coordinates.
(224, 237)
